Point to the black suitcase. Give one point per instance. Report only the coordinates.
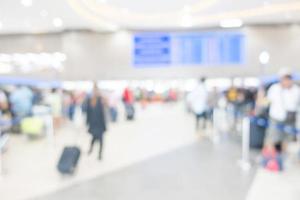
(257, 133)
(130, 112)
(68, 160)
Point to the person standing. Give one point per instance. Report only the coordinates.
(283, 98)
(95, 119)
(128, 99)
(55, 101)
(21, 101)
(4, 106)
(198, 103)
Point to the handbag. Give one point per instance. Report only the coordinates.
(291, 116)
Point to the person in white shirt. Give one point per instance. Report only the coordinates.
(113, 100)
(284, 99)
(197, 101)
(55, 101)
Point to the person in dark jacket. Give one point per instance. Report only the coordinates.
(96, 119)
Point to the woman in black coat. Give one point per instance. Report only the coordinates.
(96, 119)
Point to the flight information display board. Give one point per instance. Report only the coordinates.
(168, 49)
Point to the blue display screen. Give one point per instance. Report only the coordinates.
(167, 49)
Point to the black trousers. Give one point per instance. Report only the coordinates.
(203, 118)
(94, 139)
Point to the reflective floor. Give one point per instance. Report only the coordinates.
(157, 156)
(196, 171)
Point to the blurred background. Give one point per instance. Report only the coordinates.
(174, 95)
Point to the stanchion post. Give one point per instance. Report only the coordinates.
(1, 161)
(216, 136)
(245, 161)
(3, 142)
(1, 167)
(50, 129)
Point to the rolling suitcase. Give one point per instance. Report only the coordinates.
(68, 160)
(257, 132)
(130, 112)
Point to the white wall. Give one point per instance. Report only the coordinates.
(108, 56)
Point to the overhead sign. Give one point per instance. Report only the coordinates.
(167, 49)
(152, 49)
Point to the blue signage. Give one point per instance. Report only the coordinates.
(167, 49)
(152, 49)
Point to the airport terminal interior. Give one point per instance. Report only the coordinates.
(140, 99)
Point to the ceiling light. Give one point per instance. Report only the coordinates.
(57, 22)
(264, 57)
(60, 56)
(6, 68)
(26, 3)
(44, 13)
(231, 23)
(186, 21)
(5, 58)
(114, 27)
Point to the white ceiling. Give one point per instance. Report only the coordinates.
(106, 15)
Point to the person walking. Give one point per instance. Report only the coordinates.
(96, 119)
(198, 102)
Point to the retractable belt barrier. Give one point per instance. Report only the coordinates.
(244, 162)
(281, 126)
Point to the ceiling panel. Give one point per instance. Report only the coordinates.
(107, 15)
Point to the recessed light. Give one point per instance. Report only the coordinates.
(44, 13)
(186, 21)
(60, 56)
(264, 57)
(231, 23)
(26, 3)
(57, 22)
(114, 27)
